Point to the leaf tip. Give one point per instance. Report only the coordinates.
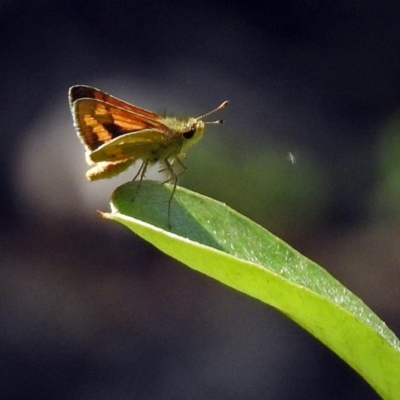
(105, 215)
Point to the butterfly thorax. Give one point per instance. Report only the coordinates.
(182, 135)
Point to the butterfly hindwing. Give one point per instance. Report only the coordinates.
(144, 144)
(104, 170)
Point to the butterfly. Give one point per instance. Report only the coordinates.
(115, 134)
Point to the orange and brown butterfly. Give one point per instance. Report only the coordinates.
(115, 134)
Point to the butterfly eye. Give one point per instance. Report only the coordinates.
(190, 134)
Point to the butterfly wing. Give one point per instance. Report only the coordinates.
(87, 92)
(145, 144)
(103, 170)
(99, 123)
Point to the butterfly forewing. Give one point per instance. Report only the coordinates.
(87, 92)
(99, 122)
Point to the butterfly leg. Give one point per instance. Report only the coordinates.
(184, 167)
(141, 172)
(171, 166)
(172, 176)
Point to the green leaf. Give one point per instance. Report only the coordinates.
(214, 239)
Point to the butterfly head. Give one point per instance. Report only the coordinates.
(194, 128)
(192, 132)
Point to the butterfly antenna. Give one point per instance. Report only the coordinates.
(220, 121)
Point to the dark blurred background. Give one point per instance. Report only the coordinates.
(310, 150)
